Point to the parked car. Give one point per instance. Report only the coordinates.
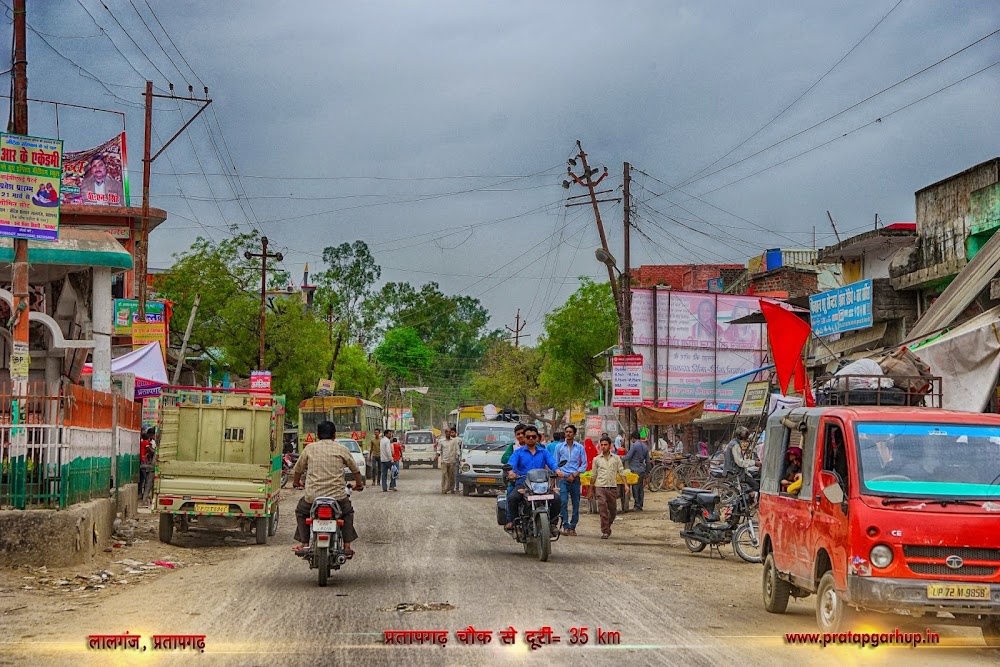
(483, 445)
(419, 448)
(359, 457)
(897, 513)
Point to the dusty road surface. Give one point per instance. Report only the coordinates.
(260, 605)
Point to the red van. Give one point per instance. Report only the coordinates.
(898, 512)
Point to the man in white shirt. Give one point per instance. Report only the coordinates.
(619, 439)
(385, 458)
(450, 447)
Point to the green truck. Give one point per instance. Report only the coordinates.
(218, 462)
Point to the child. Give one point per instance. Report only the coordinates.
(792, 481)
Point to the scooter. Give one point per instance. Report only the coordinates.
(532, 527)
(705, 526)
(326, 539)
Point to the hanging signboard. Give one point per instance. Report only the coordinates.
(260, 381)
(626, 380)
(144, 333)
(97, 176)
(29, 187)
(20, 361)
(754, 399)
(843, 309)
(127, 313)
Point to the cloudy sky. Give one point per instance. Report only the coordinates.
(438, 132)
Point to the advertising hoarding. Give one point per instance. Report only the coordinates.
(626, 380)
(843, 309)
(29, 187)
(97, 176)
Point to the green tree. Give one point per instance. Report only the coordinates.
(576, 334)
(344, 288)
(355, 372)
(403, 355)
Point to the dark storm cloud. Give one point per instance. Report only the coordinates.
(402, 89)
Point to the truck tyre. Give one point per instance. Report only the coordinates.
(260, 529)
(832, 611)
(776, 590)
(323, 565)
(272, 525)
(991, 631)
(467, 489)
(166, 527)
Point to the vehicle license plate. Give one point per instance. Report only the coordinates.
(957, 592)
(547, 496)
(417, 448)
(205, 507)
(324, 525)
(485, 480)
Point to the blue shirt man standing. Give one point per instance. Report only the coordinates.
(569, 485)
(637, 460)
(530, 457)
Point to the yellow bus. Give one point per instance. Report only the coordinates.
(459, 417)
(355, 418)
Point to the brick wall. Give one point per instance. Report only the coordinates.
(684, 277)
(796, 282)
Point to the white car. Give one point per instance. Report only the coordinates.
(359, 457)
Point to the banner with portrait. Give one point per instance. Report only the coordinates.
(97, 176)
(697, 347)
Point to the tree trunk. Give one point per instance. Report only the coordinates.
(336, 352)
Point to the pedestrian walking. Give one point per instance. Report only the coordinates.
(557, 438)
(376, 457)
(397, 461)
(385, 461)
(604, 483)
(569, 478)
(637, 460)
(449, 446)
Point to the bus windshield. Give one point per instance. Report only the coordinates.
(925, 460)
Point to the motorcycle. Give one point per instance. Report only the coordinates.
(705, 525)
(287, 463)
(531, 527)
(326, 540)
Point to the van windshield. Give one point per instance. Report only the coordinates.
(488, 437)
(929, 460)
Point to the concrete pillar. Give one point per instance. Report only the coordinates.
(103, 323)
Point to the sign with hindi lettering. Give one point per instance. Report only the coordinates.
(843, 309)
(97, 176)
(127, 314)
(30, 168)
(626, 380)
(260, 381)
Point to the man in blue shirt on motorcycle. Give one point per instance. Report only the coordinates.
(530, 457)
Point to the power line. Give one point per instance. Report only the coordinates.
(796, 100)
(842, 111)
(127, 34)
(169, 39)
(155, 39)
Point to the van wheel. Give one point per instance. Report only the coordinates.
(166, 527)
(406, 465)
(260, 529)
(832, 612)
(991, 631)
(272, 525)
(468, 489)
(776, 590)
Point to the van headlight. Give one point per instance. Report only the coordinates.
(466, 468)
(881, 556)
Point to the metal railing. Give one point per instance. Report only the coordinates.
(881, 390)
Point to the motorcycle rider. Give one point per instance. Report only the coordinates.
(735, 462)
(323, 463)
(530, 457)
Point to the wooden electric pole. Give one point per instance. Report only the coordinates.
(630, 421)
(22, 297)
(142, 243)
(518, 326)
(264, 256)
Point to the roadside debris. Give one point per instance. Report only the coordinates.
(419, 606)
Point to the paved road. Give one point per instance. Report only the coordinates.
(261, 605)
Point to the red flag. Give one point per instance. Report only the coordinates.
(787, 334)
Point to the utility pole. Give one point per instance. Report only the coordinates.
(22, 298)
(834, 225)
(264, 256)
(187, 337)
(518, 326)
(588, 182)
(142, 243)
(627, 284)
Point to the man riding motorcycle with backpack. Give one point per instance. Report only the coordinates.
(530, 457)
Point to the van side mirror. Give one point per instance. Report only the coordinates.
(832, 490)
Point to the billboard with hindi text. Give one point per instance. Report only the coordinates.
(696, 347)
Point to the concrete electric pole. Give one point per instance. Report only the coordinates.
(264, 256)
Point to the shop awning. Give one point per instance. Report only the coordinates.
(75, 247)
(670, 416)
